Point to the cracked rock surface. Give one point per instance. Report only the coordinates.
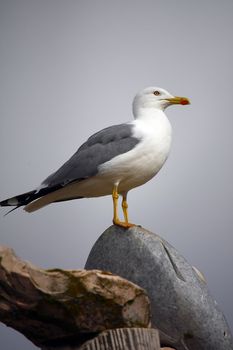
(182, 308)
(52, 306)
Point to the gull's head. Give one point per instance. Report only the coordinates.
(155, 98)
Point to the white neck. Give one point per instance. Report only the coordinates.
(149, 113)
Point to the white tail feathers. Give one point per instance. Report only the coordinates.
(42, 202)
(64, 193)
(58, 195)
(37, 204)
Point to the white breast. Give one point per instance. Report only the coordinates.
(139, 165)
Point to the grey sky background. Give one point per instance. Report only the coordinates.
(69, 68)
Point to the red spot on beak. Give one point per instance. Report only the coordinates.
(184, 101)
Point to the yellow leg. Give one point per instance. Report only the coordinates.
(115, 197)
(124, 205)
(116, 220)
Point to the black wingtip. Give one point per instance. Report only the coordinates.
(12, 210)
(4, 203)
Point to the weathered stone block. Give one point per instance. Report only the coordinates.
(55, 307)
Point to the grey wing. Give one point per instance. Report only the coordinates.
(98, 149)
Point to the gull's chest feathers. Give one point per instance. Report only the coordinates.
(144, 161)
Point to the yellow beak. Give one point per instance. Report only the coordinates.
(179, 100)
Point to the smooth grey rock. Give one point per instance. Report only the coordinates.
(183, 310)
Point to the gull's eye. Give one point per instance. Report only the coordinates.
(157, 93)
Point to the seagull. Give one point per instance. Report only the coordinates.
(112, 161)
